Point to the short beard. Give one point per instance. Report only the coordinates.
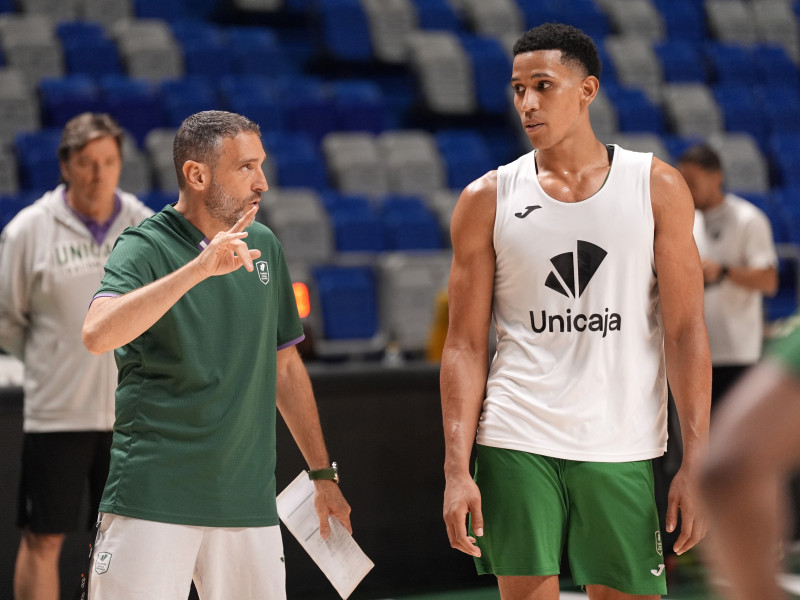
(223, 207)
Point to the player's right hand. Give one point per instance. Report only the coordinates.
(462, 497)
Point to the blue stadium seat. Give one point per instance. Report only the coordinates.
(466, 155)
(781, 108)
(409, 225)
(297, 159)
(256, 97)
(785, 302)
(61, 98)
(348, 301)
(308, 106)
(360, 106)
(741, 109)
(775, 67)
(186, 96)
(344, 30)
(681, 61)
(357, 226)
(676, 145)
(684, 19)
(168, 10)
(204, 49)
(87, 49)
(157, 199)
(636, 112)
(728, 62)
(256, 51)
(491, 69)
(784, 157)
(134, 103)
(783, 211)
(583, 14)
(609, 74)
(11, 205)
(437, 15)
(37, 160)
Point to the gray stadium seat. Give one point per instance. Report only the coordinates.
(408, 285)
(635, 17)
(9, 183)
(300, 222)
(258, 5)
(604, 116)
(158, 144)
(30, 44)
(105, 12)
(148, 49)
(58, 10)
(355, 164)
(135, 176)
(443, 203)
(643, 142)
(444, 72)
(390, 23)
(636, 62)
(691, 109)
(743, 164)
(731, 21)
(776, 24)
(494, 19)
(412, 162)
(19, 107)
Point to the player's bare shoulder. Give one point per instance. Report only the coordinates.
(477, 204)
(668, 190)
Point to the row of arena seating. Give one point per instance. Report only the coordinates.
(376, 113)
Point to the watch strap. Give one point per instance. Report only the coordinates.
(330, 473)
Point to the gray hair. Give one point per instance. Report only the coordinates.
(200, 136)
(84, 128)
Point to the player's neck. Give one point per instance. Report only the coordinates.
(194, 210)
(571, 155)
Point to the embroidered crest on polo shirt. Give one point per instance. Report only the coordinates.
(262, 269)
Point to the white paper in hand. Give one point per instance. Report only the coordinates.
(339, 557)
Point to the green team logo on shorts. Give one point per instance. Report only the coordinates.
(659, 548)
(102, 562)
(262, 268)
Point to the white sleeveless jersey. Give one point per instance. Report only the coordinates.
(579, 371)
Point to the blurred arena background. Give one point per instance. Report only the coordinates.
(375, 114)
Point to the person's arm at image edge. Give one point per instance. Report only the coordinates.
(680, 284)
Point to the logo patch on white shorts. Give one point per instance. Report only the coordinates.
(102, 562)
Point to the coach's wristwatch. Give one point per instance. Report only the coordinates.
(331, 473)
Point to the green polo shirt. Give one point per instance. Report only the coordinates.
(194, 437)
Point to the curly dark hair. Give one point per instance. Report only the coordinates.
(703, 156)
(577, 48)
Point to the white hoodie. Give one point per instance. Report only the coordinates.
(50, 267)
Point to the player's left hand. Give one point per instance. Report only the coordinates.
(329, 501)
(684, 497)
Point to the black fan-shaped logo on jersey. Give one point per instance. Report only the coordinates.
(589, 259)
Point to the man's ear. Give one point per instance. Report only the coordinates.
(589, 88)
(197, 175)
(62, 165)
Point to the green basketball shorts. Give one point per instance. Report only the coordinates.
(605, 514)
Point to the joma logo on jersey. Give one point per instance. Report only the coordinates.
(262, 269)
(570, 279)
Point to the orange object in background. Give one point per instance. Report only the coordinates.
(302, 299)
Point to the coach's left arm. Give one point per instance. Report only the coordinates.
(298, 408)
(680, 284)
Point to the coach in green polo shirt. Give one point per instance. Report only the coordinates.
(206, 352)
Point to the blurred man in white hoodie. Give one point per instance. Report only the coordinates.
(51, 262)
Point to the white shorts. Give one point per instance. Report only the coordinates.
(144, 560)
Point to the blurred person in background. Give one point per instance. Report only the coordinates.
(754, 451)
(734, 238)
(51, 262)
